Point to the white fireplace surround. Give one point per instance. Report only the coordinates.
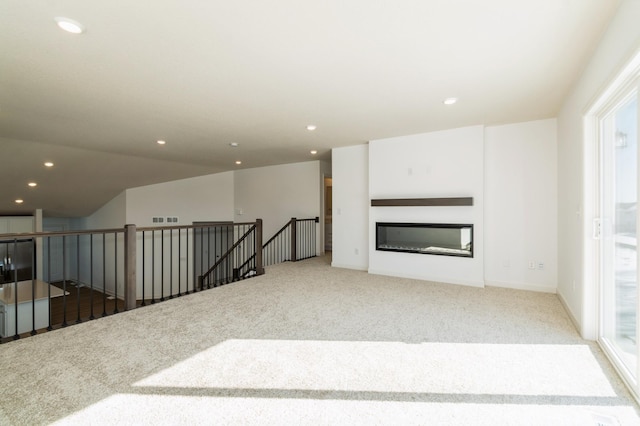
(447, 164)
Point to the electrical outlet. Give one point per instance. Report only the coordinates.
(540, 265)
(532, 264)
(356, 251)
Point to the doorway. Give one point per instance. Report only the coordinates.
(611, 227)
(617, 227)
(328, 220)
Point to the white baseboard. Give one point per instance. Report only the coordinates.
(522, 286)
(573, 319)
(346, 266)
(442, 280)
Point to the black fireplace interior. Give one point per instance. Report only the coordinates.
(425, 238)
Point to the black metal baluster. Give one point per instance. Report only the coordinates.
(235, 254)
(187, 264)
(33, 286)
(16, 336)
(115, 254)
(310, 240)
(91, 315)
(179, 263)
(78, 320)
(299, 239)
(209, 254)
(227, 261)
(49, 280)
(253, 250)
(153, 266)
(64, 281)
(216, 272)
(104, 274)
(170, 263)
(162, 265)
(308, 254)
(143, 268)
(245, 255)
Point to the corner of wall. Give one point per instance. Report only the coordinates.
(567, 309)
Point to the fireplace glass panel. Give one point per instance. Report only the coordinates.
(425, 238)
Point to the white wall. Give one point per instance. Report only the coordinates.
(514, 212)
(575, 287)
(520, 195)
(203, 198)
(439, 164)
(350, 211)
(275, 194)
(111, 215)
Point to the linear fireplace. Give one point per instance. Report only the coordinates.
(444, 239)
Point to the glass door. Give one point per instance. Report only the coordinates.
(618, 229)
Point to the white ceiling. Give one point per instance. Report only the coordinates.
(203, 74)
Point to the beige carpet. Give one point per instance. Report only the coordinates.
(311, 344)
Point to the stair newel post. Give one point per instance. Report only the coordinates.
(259, 263)
(294, 238)
(129, 267)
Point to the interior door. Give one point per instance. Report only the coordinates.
(618, 331)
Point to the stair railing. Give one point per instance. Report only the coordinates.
(296, 240)
(242, 253)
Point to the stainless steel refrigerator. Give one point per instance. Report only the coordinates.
(16, 260)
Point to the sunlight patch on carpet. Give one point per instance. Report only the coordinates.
(439, 368)
(134, 409)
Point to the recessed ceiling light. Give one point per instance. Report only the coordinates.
(311, 127)
(19, 201)
(234, 144)
(69, 25)
(314, 152)
(238, 162)
(161, 142)
(48, 164)
(450, 101)
(32, 184)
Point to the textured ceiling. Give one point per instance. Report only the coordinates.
(203, 74)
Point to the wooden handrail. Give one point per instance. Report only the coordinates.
(277, 233)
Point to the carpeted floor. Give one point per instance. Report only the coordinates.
(311, 344)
